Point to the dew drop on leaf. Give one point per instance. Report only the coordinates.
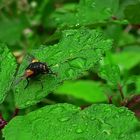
(79, 130)
(57, 109)
(28, 102)
(64, 119)
(78, 63)
(70, 73)
(93, 4)
(106, 132)
(93, 118)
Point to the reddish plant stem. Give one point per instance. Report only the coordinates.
(2, 122)
(110, 99)
(15, 112)
(121, 92)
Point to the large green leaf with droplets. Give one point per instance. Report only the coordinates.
(87, 90)
(77, 51)
(68, 122)
(86, 12)
(7, 70)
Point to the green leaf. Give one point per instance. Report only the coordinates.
(122, 5)
(7, 70)
(87, 12)
(111, 73)
(126, 60)
(89, 91)
(132, 14)
(77, 51)
(11, 30)
(65, 121)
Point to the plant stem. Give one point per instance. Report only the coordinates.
(121, 91)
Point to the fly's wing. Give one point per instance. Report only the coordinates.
(17, 81)
(29, 59)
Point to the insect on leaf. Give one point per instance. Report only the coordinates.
(77, 51)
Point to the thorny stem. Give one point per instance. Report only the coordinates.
(121, 92)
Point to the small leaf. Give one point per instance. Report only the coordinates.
(65, 121)
(87, 90)
(77, 51)
(87, 12)
(111, 73)
(132, 14)
(126, 60)
(7, 70)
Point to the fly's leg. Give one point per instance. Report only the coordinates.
(27, 83)
(51, 72)
(40, 83)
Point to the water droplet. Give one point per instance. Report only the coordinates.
(117, 116)
(68, 34)
(93, 118)
(79, 130)
(86, 124)
(101, 120)
(107, 109)
(77, 24)
(74, 125)
(121, 110)
(70, 73)
(57, 19)
(106, 132)
(64, 119)
(57, 109)
(28, 103)
(93, 4)
(83, 116)
(78, 63)
(57, 65)
(122, 136)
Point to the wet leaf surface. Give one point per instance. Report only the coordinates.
(77, 51)
(65, 121)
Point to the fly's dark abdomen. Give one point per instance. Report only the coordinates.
(38, 68)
